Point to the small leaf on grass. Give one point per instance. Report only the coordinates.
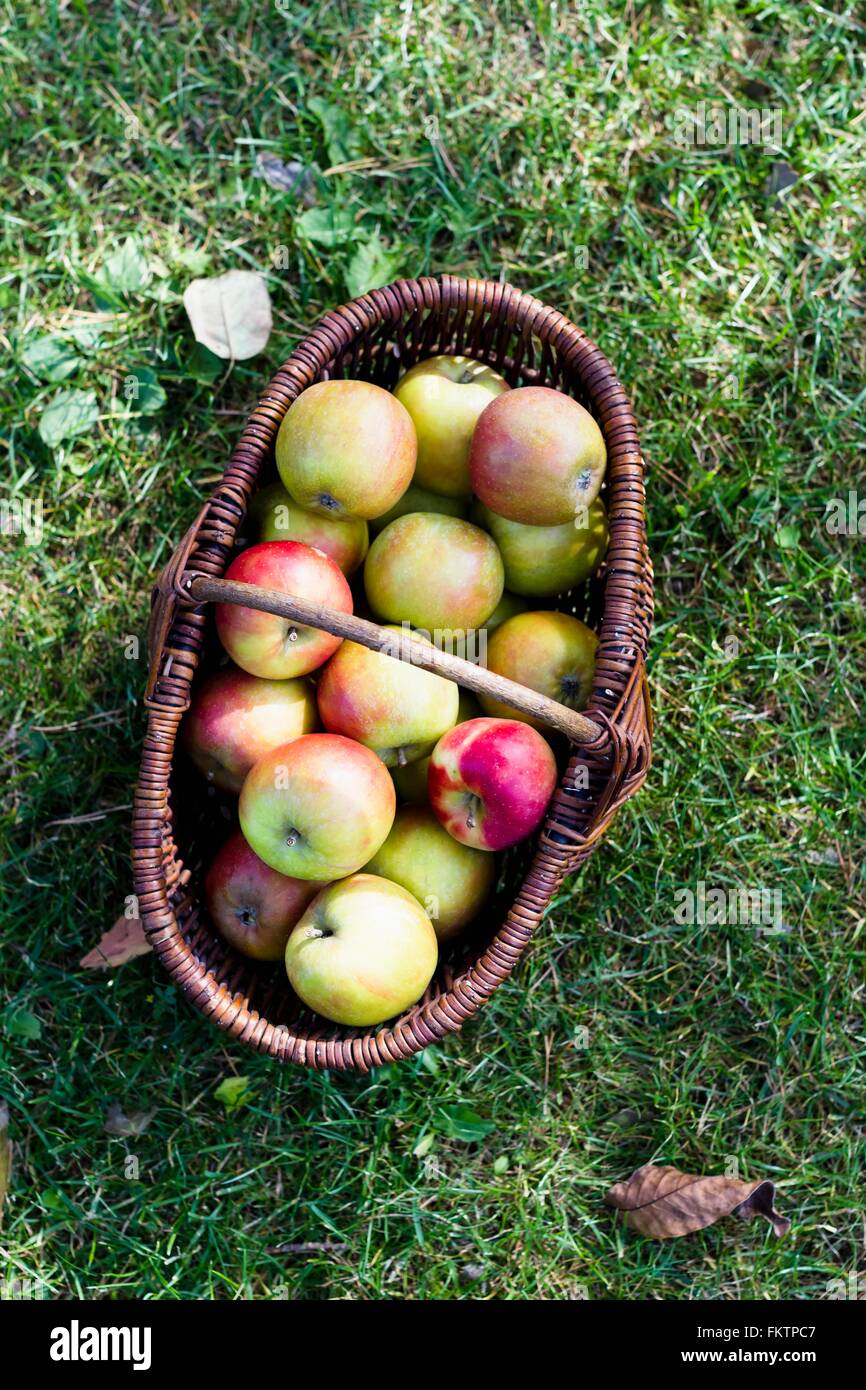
(5, 1155)
(67, 414)
(125, 940)
(117, 1122)
(460, 1122)
(142, 391)
(424, 1145)
(662, 1202)
(342, 139)
(371, 265)
(19, 1023)
(230, 314)
(327, 227)
(286, 178)
(500, 1165)
(51, 358)
(234, 1092)
(126, 270)
(788, 537)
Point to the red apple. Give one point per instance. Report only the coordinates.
(252, 906)
(236, 718)
(537, 457)
(273, 647)
(346, 448)
(490, 781)
(317, 808)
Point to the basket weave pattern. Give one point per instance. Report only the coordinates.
(375, 337)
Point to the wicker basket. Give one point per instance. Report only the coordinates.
(178, 824)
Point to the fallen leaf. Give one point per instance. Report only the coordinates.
(5, 1155)
(125, 940)
(371, 265)
(20, 1023)
(662, 1202)
(234, 1092)
(126, 270)
(67, 414)
(230, 314)
(50, 357)
(117, 1122)
(780, 178)
(292, 177)
(328, 227)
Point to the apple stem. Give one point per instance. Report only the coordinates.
(470, 820)
(292, 634)
(293, 837)
(402, 760)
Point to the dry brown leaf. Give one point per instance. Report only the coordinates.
(127, 1126)
(5, 1156)
(125, 940)
(663, 1202)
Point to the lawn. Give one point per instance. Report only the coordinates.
(544, 145)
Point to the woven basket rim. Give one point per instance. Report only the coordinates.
(416, 313)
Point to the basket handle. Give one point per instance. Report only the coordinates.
(404, 646)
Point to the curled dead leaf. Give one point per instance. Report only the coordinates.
(118, 1122)
(662, 1202)
(119, 944)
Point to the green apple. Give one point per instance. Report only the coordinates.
(449, 879)
(435, 572)
(552, 653)
(445, 396)
(389, 705)
(363, 952)
(418, 499)
(344, 539)
(319, 807)
(542, 561)
(410, 780)
(346, 448)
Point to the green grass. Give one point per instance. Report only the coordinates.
(732, 319)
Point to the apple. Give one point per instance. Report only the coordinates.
(541, 561)
(410, 780)
(346, 448)
(450, 880)
(537, 457)
(253, 907)
(506, 608)
(445, 396)
(418, 499)
(236, 718)
(389, 705)
(319, 807)
(552, 653)
(434, 572)
(490, 781)
(363, 952)
(281, 519)
(273, 647)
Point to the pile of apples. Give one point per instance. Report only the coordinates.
(374, 795)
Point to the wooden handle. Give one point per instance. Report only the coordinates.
(402, 646)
